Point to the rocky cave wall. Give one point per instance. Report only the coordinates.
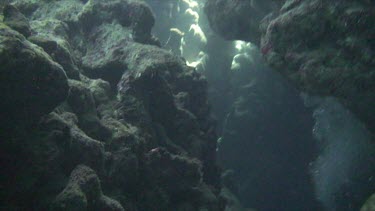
(96, 116)
(324, 48)
(127, 126)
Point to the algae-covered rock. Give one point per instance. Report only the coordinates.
(107, 39)
(76, 145)
(53, 36)
(16, 20)
(124, 135)
(176, 174)
(123, 169)
(83, 192)
(135, 15)
(58, 53)
(82, 102)
(32, 83)
(103, 58)
(100, 89)
(48, 153)
(101, 125)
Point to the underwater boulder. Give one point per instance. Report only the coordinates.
(176, 174)
(181, 179)
(77, 147)
(322, 47)
(134, 15)
(60, 54)
(104, 57)
(81, 101)
(142, 22)
(123, 170)
(16, 20)
(54, 37)
(83, 192)
(148, 84)
(100, 89)
(32, 83)
(48, 153)
(326, 49)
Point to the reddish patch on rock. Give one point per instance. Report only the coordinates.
(266, 48)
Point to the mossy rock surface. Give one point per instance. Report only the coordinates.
(32, 83)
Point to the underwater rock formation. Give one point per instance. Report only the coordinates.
(333, 56)
(84, 192)
(32, 83)
(238, 20)
(16, 20)
(324, 47)
(53, 35)
(135, 124)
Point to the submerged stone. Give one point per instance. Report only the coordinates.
(32, 83)
(83, 192)
(16, 20)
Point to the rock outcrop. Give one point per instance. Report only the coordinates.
(238, 20)
(134, 124)
(32, 83)
(324, 48)
(16, 20)
(84, 192)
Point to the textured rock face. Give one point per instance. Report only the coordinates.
(134, 124)
(16, 20)
(238, 20)
(84, 192)
(56, 46)
(325, 48)
(160, 84)
(32, 83)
